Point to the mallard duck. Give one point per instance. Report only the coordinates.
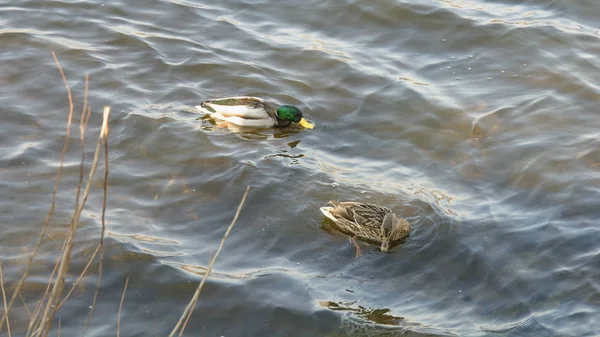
(253, 111)
(368, 222)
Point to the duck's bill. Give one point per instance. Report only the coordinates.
(385, 245)
(306, 124)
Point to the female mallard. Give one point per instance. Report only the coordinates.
(253, 111)
(371, 223)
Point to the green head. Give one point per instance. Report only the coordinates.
(292, 114)
(289, 113)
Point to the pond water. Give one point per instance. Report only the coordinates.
(475, 120)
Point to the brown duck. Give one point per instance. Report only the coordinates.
(367, 222)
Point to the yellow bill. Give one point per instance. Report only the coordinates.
(306, 124)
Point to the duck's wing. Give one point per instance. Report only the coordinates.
(366, 215)
(240, 107)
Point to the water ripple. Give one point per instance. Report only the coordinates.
(474, 120)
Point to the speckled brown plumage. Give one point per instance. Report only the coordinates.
(368, 222)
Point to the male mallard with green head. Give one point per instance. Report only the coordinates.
(253, 112)
(368, 222)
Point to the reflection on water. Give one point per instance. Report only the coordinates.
(475, 120)
(378, 316)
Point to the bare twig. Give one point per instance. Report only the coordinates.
(4, 299)
(54, 190)
(65, 258)
(187, 313)
(121, 307)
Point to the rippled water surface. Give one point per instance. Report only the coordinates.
(476, 120)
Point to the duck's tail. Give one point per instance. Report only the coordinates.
(327, 212)
(205, 107)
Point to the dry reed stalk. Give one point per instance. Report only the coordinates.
(83, 121)
(4, 299)
(25, 306)
(101, 245)
(121, 307)
(87, 117)
(80, 277)
(54, 297)
(53, 202)
(82, 127)
(35, 318)
(187, 313)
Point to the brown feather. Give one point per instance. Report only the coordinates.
(369, 222)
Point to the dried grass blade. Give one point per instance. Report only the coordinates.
(121, 308)
(187, 313)
(102, 234)
(25, 305)
(4, 299)
(50, 309)
(80, 277)
(54, 190)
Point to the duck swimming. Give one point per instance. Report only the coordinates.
(368, 222)
(253, 112)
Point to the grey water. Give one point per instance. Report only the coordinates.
(476, 120)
